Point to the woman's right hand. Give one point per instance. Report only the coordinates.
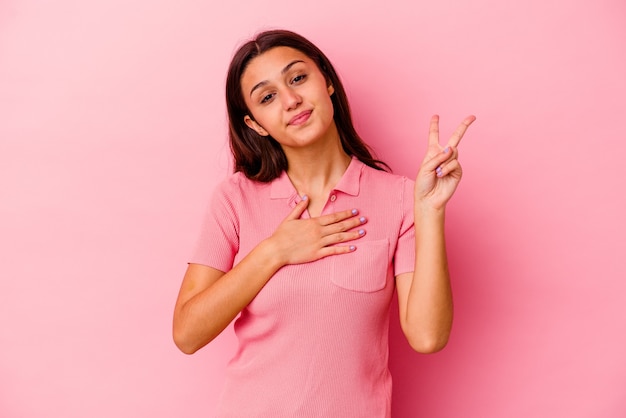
(297, 240)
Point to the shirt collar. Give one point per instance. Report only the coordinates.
(349, 182)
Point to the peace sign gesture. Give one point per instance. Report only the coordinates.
(440, 172)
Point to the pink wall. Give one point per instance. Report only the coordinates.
(112, 135)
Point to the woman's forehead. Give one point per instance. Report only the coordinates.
(274, 61)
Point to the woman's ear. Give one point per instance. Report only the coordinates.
(331, 89)
(255, 126)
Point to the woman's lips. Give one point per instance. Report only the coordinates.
(300, 118)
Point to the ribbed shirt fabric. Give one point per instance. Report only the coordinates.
(314, 341)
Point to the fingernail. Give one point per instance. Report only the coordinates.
(305, 197)
(446, 150)
(354, 211)
(362, 219)
(439, 171)
(361, 231)
(352, 248)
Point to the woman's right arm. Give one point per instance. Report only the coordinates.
(210, 299)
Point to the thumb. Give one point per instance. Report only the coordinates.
(297, 212)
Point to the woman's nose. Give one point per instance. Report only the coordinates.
(290, 99)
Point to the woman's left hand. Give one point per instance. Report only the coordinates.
(440, 172)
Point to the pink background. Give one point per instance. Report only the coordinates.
(112, 136)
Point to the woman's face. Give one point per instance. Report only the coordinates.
(288, 97)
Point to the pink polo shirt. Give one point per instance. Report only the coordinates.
(314, 341)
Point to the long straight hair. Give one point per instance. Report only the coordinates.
(262, 158)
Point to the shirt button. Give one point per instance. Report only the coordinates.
(333, 198)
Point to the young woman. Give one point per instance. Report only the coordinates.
(307, 241)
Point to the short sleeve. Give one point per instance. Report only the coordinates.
(218, 241)
(404, 257)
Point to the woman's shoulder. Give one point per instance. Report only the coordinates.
(238, 184)
(386, 178)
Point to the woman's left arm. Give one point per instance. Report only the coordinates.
(425, 296)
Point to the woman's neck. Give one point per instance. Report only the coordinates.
(315, 172)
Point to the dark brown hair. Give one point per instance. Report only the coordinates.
(262, 158)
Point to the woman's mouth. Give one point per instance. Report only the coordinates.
(300, 118)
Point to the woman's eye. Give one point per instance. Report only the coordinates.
(267, 98)
(298, 78)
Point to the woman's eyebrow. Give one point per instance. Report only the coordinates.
(288, 66)
(283, 71)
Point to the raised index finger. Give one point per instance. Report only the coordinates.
(433, 134)
(460, 131)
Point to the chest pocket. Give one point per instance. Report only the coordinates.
(364, 270)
